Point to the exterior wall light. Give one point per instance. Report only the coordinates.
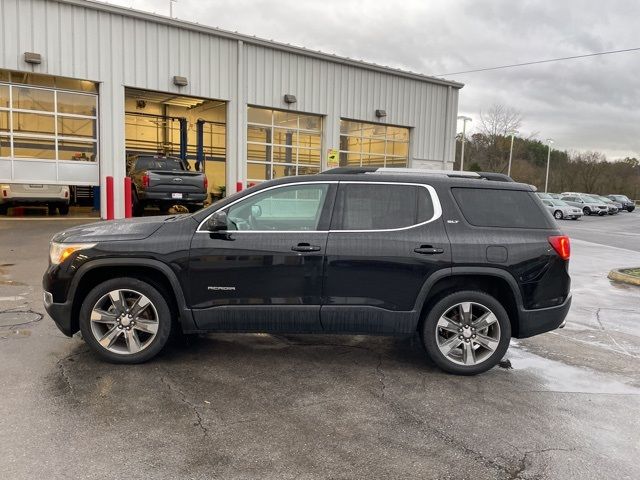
(381, 113)
(288, 98)
(33, 58)
(180, 81)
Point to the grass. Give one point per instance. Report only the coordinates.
(632, 271)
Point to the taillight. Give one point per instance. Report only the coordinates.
(4, 193)
(206, 184)
(66, 194)
(561, 245)
(145, 180)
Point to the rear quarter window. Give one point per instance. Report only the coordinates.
(485, 207)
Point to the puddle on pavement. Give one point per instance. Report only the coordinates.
(558, 377)
(18, 333)
(11, 299)
(4, 280)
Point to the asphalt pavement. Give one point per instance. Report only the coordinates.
(263, 406)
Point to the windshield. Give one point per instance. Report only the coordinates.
(621, 198)
(159, 163)
(559, 203)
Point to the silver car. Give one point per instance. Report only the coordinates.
(560, 209)
(52, 196)
(588, 205)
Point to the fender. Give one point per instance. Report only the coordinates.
(185, 315)
(455, 271)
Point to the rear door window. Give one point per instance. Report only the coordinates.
(380, 206)
(485, 207)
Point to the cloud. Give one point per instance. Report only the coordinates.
(584, 104)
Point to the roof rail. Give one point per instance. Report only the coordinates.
(497, 177)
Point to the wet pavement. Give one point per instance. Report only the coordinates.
(263, 406)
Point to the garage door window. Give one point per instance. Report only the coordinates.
(370, 144)
(47, 124)
(281, 144)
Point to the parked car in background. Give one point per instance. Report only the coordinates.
(588, 205)
(164, 182)
(557, 196)
(54, 197)
(544, 196)
(627, 204)
(560, 209)
(614, 207)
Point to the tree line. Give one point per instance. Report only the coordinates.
(488, 149)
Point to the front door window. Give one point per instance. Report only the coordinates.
(287, 208)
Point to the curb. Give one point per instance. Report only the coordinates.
(619, 276)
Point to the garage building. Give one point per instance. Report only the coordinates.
(84, 86)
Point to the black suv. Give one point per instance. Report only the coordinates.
(465, 261)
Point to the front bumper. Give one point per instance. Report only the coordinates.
(535, 322)
(60, 313)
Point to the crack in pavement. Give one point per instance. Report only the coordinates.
(622, 348)
(381, 376)
(522, 463)
(183, 398)
(63, 371)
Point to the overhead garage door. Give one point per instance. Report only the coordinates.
(48, 134)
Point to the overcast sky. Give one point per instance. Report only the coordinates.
(584, 104)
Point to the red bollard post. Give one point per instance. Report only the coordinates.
(238, 186)
(127, 197)
(109, 194)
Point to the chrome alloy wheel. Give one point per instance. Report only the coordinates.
(124, 321)
(468, 333)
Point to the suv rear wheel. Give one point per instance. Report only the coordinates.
(586, 211)
(466, 332)
(125, 320)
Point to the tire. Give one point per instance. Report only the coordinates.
(557, 215)
(498, 332)
(137, 207)
(146, 335)
(586, 211)
(63, 208)
(4, 209)
(602, 214)
(51, 209)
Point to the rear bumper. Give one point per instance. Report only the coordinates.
(17, 201)
(60, 313)
(534, 322)
(165, 197)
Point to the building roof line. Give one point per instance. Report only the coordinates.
(215, 31)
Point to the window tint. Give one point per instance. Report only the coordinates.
(500, 208)
(295, 207)
(153, 163)
(380, 206)
(548, 203)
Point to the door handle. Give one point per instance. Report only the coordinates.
(305, 247)
(428, 250)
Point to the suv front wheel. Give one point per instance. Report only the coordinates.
(466, 332)
(125, 320)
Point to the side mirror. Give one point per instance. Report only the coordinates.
(256, 211)
(217, 222)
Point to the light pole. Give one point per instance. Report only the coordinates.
(464, 131)
(171, 8)
(513, 133)
(546, 180)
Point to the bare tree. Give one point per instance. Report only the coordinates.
(498, 121)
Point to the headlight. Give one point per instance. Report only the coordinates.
(59, 252)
